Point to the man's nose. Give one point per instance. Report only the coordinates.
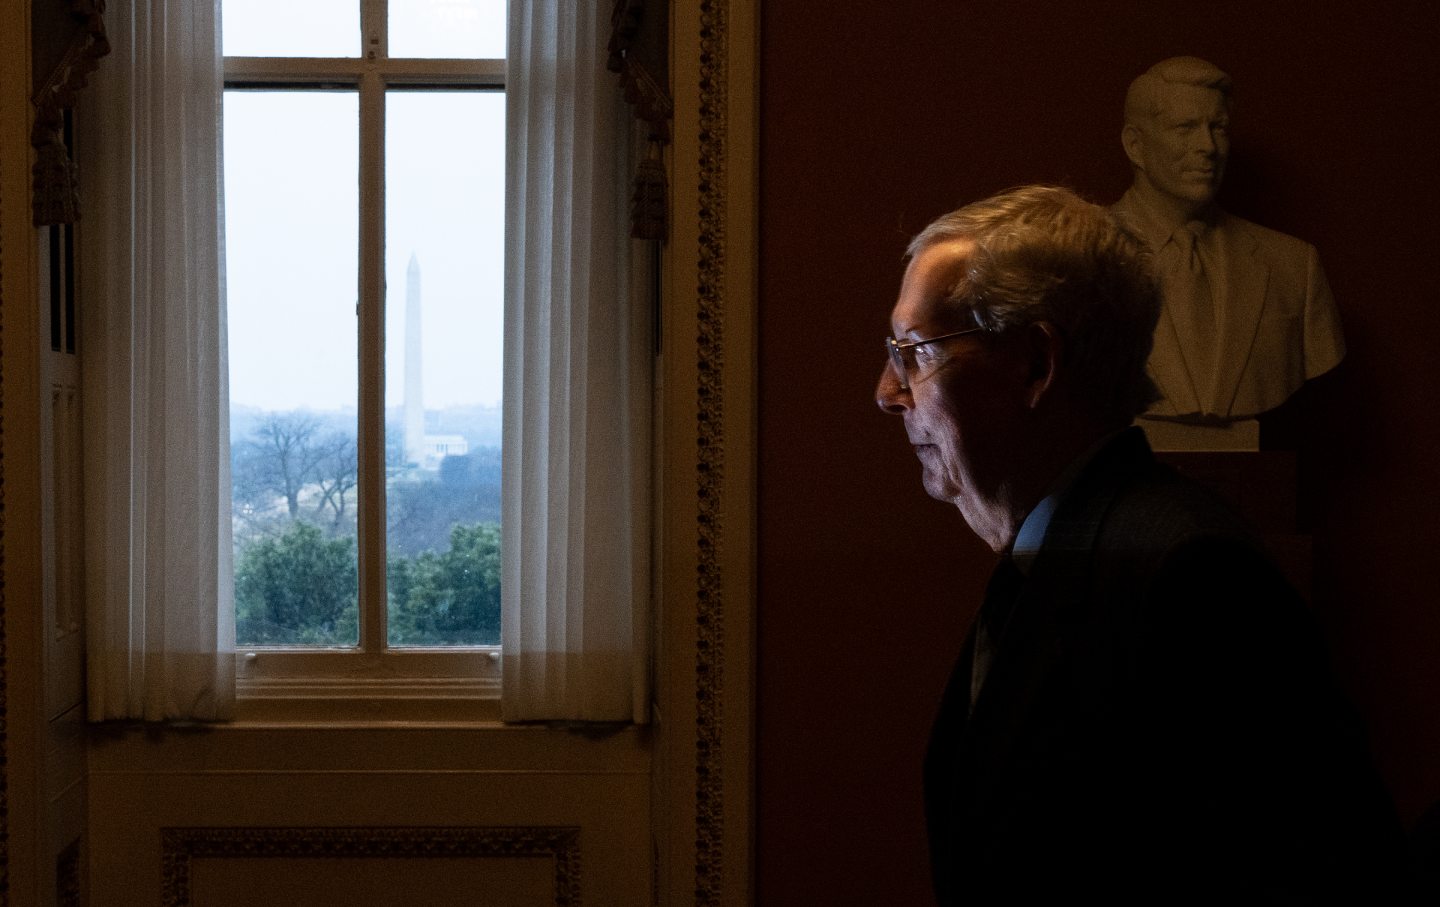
(889, 395)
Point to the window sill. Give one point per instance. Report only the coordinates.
(346, 744)
(348, 688)
(349, 702)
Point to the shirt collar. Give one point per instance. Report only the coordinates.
(1032, 532)
(1031, 536)
(1153, 229)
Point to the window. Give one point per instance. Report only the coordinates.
(364, 186)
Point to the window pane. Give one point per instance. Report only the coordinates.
(444, 237)
(287, 28)
(291, 225)
(447, 28)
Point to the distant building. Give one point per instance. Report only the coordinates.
(438, 447)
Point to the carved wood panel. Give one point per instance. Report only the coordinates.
(180, 847)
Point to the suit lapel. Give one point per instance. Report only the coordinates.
(1243, 298)
(947, 766)
(1167, 369)
(1052, 603)
(1167, 362)
(1032, 647)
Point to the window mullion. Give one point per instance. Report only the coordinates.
(371, 525)
(374, 22)
(291, 70)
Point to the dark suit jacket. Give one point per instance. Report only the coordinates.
(1159, 723)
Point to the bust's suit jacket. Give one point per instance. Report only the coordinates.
(1278, 323)
(1158, 723)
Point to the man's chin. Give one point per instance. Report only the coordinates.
(937, 487)
(1199, 191)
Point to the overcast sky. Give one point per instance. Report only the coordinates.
(292, 210)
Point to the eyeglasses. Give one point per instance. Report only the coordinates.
(902, 355)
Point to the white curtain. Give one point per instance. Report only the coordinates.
(160, 641)
(576, 566)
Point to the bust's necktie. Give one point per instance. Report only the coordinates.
(1188, 296)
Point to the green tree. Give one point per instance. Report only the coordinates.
(450, 598)
(297, 588)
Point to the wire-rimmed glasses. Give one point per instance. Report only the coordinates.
(902, 354)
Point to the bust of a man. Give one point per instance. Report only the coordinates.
(1248, 316)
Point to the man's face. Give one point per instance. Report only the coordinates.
(1182, 151)
(960, 411)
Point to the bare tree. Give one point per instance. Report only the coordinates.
(279, 458)
(336, 472)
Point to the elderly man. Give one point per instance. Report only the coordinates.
(1142, 711)
(1248, 316)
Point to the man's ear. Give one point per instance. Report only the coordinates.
(1130, 139)
(1045, 356)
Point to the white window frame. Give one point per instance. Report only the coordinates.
(372, 682)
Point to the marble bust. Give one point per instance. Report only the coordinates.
(1248, 316)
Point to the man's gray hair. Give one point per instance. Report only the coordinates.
(1044, 254)
(1145, 99)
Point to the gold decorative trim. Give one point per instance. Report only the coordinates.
(710, 464)
(179, 846)
(4, 679)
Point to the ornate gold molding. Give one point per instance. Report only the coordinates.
(179, 846)
(4, 678)
(710, 465)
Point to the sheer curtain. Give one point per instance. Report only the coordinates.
(575, 568)
(160, 641)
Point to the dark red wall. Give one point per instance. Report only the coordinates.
(876, 117)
